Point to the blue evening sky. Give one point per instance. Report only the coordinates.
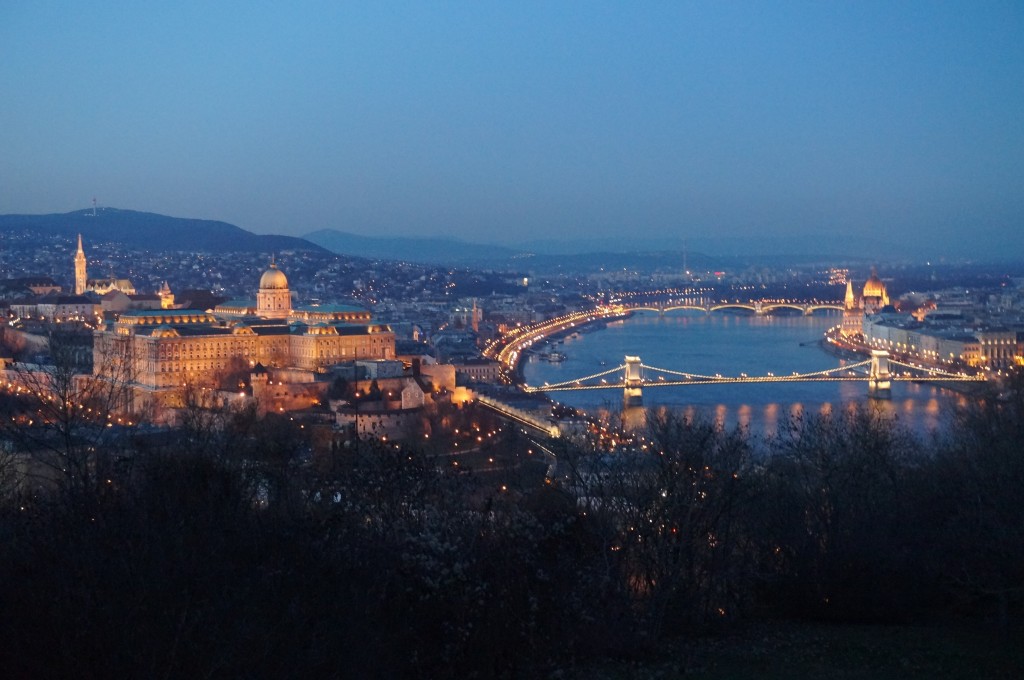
(505, 122)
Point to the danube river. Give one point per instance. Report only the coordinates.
(729, 344)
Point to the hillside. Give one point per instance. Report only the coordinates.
(542, 256)
(433, 250)
(151, 231)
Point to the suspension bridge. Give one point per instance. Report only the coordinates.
(632, 377)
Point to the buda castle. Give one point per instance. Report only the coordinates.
(159, 351)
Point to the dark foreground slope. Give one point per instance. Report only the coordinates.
(847, 547)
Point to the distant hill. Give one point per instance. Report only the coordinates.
(548, 256)
(544, 256)
(591, 254)
(751, 248)
(150, 231)
(411, 249)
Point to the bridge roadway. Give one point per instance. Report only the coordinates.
(877, 375)
(520, 416)
(756, 306)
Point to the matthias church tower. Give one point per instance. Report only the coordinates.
(81, 278)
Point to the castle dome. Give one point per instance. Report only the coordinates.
(274, 279)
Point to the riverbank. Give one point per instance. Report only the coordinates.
(841, 349)
(511, 349)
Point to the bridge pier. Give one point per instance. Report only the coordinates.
(879, 378)
(633, 378)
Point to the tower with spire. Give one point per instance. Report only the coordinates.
(81, 277)
(853, 317)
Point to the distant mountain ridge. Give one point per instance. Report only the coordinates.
(410, 249)
(150, 231)
(547, 256)
(596, 253)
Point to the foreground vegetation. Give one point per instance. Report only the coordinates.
(785, 650)
(222, 551)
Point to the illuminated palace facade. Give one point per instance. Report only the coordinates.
(162, 350)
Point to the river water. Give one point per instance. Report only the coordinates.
(729, 344)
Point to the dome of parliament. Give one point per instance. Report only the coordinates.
(274, 278)
(873, 287)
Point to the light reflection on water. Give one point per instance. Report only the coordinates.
(730, 344)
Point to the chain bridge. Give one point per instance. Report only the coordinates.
(633, 376)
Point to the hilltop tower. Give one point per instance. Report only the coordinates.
(81, 278)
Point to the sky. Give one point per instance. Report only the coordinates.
(902, 122)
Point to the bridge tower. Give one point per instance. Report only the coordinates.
(633, 378)
(879, 378)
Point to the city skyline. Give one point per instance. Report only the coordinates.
(510, 124)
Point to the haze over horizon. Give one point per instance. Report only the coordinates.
(508, 124)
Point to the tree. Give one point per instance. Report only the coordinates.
(977, 518)
(66, 424)
(671, 513)
(837, 517)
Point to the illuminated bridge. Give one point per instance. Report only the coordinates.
(755, 306)
(633, 376)
(509, 348)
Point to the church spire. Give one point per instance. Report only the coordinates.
(81, 277)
